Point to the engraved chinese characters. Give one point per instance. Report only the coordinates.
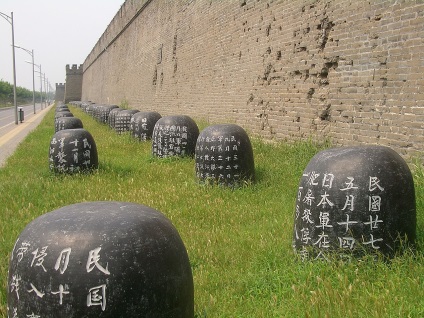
(103, 113)
(354, 200)
(100, 259)
(142, 124)
(123, 119)
(174, 136)
(72, 150)
(224, 155)
(112, 116)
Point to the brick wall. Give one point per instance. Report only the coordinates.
(349, 71)
(60, 92)
(73, 85)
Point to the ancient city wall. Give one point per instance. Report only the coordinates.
(60, 92)
(350, 71)
(73, 85)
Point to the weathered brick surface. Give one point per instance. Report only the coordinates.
(60, 92)
(73, 85)
(350, 71)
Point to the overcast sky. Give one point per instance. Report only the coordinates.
(59, 31)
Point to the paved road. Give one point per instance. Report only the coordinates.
(11, 134)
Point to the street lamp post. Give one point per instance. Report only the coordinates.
(41, 82)
(33, 73)
(41, 85)
(10, 20)
(45, 89)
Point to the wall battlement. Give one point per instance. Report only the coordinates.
(347, 71)
(74, 69)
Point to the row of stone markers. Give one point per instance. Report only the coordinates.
(72, 148)
(223, 153)
(73, 262)
(352, 200)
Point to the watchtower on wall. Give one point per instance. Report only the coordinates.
(73, 86)
(60, 92)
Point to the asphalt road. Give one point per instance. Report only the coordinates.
(11, 134)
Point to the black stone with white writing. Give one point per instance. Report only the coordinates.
(123, 119)
(72, 150)
(174, 136)
(100, 259)
(85, 106)
(142, 124)
(96, 110)
(103, 113)
(62, 108)
(354, 201)
(61, 123)
(63, 113)
(90, 109)
(224, 155)
(112, 116)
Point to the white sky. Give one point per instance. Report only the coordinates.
(59, 31)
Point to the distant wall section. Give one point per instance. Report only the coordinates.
(60, 92)
(349, 71)
(73, 86)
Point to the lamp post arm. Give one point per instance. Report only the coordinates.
(33, 76)
(6, 17)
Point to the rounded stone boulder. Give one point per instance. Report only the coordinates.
(72, 150)
(96, 111)
(112, 116)
(62, 108)
(103, 113)
(62, 123)
(100, 259)
(224, 155)
(354, 201)
(123, 119)
(90, 109)
(63, 113)
(174, 136)
(142, 125)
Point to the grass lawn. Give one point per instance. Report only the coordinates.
(238, 241)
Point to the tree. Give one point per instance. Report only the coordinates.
(23, 95)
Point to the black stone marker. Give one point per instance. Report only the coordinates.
(354, 201)
(123, 119)
(85, 106)
(90, 109)
(174, 136)
(142, 124)
(100, 259)
(103, 115)
(63, 114)
(62, 108)
(96, 110)
(224, 155)
(112, 116)
(72, 150)
(67, 123)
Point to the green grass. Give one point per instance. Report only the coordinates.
(238, 241)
